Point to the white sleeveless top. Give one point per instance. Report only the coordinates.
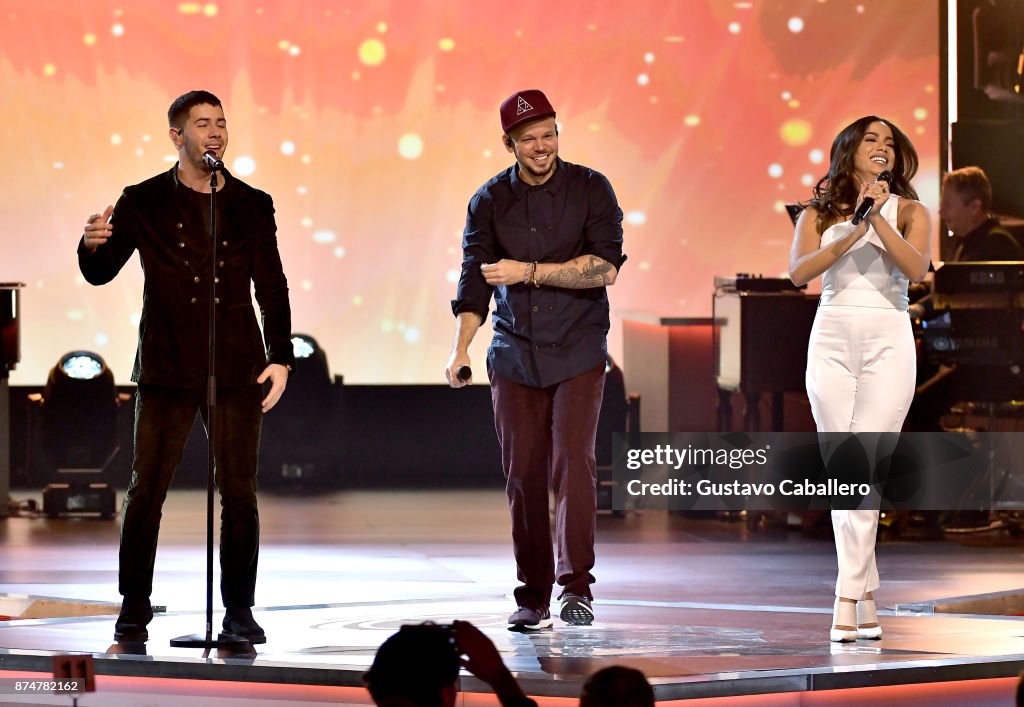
(865, 275)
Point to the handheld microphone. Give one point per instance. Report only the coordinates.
(212, 162)
(463, 373)
(865, 206)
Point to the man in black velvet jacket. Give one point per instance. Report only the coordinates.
(167, 219)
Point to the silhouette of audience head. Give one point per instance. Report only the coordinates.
(419, 666)
(617, 686)
(416, 667)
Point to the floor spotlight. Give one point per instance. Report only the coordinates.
(74, 435)
(620, 414)
(304, 346)
(298, 439)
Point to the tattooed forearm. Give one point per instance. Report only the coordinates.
(579, 273)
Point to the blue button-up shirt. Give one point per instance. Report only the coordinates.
(544, 335)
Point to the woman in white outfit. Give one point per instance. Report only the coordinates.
(860, 361)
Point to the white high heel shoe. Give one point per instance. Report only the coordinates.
(867, 613)
(844, 613)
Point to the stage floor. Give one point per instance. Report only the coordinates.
(705, 608)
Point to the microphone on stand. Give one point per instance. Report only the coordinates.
(212, 162)
(865, 206)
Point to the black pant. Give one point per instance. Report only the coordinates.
(163, 420)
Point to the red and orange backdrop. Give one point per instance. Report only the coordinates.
(371, 123)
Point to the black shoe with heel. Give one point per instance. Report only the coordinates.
(136, 613)
(239, 622)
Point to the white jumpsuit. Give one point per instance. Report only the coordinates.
(861, 369)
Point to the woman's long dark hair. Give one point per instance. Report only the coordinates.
(836, 193)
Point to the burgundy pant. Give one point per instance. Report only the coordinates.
(547, 439)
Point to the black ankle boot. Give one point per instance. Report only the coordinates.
(239, 621)
(136, 613)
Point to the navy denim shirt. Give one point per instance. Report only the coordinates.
(544, 335)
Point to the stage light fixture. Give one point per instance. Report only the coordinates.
(304, 346)
(298, 439)
(620, 414)
(82, 365)
(74, 433)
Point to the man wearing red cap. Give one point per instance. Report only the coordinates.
(544, 237)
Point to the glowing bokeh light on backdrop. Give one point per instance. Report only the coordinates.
(371, 125)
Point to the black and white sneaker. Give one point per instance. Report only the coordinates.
(576, 610)
(526, 619)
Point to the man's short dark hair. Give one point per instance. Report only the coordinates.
(415, 664)
(178, 112)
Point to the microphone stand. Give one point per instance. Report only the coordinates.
(199, 640)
